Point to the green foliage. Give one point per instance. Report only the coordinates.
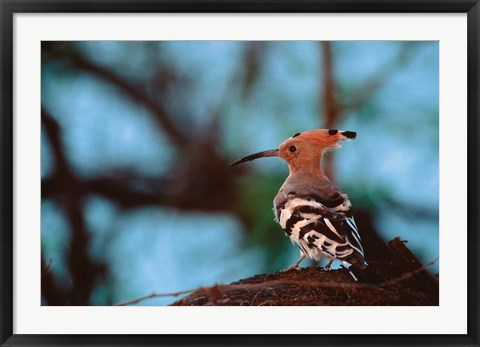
(257, 192)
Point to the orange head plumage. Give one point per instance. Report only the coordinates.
(304, 149)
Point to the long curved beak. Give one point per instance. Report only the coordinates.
(264, 154)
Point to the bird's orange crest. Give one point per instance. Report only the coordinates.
(304, 147)
(324, 138)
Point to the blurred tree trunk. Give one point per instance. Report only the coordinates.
(331, 109)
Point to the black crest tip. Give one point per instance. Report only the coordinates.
(349, 134)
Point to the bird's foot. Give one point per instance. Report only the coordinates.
(329, 264)
(293, 267)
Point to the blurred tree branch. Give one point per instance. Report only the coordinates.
(253, 57)
(200, 153)
(51, 293)
(83, 270)
(164, 119)
(113, 188)
(357, 98)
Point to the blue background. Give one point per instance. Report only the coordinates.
(226, 100)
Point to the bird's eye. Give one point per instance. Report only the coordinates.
(292, 149)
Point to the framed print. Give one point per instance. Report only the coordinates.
(143, 144)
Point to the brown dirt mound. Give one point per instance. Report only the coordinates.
(405, 282)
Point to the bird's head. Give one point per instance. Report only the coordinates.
(304, 148)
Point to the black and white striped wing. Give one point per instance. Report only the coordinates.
(321, 231)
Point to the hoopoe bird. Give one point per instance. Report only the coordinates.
(312, 211)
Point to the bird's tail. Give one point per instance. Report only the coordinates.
(362, 272)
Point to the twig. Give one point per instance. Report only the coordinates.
(254, 298)
(250, 286)
(409, 274)
(155, 295)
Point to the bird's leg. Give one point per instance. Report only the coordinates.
(327, 267)
(295, 266)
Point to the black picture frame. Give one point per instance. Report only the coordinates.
(9, 8)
